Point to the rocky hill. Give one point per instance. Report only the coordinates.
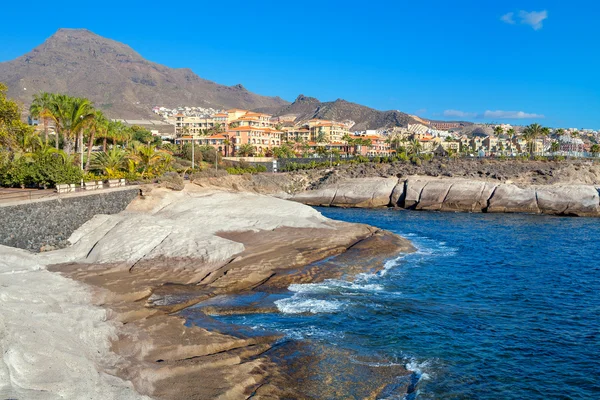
(118, 80)
(339, 110)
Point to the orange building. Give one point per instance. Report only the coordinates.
(262, 138)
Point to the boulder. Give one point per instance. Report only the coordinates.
(580, 200)
(511, 198)
(464, 196)
(364, 192)
(397, 199)
(413, 190)
(433, 195)
(319, 197)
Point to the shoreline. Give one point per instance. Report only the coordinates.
(172, 250)
(424, 193)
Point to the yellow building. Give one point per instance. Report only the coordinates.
(296, 134)
(194, 126)
(328, 131)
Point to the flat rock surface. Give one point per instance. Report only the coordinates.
(170, 250)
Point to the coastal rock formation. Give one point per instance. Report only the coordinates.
(471, 196)
(581, 200)
(452, 194)
(360, 192)
(166, 252)
(510, 198)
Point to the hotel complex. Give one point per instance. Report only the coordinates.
(230, 131)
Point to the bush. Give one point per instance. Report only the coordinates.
(43, 169)
(249, 170)
(171, 180)
(207, 173)
(376, 159)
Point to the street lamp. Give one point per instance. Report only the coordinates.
(81, 154)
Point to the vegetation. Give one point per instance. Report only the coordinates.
(246, 170)
(55, 155)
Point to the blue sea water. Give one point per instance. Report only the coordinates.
(490, 306)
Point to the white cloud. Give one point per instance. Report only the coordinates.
(500, 114)
(508, 18)
(534, 19)
(458, 114)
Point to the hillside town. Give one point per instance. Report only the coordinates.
(238, 132)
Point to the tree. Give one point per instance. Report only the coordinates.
(531, 133)
(98, 124)
(147, 158)
(498, 130)
(284, 151)
(415, 147)
(321, 137)
(595, 149)
(41, 108)
(511, 133)
(11, 126)
(246, 150)
(109, 162)
(554, 147)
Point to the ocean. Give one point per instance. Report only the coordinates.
(490, 306)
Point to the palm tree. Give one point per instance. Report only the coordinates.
(109, 162)
(498, 130)
(146, 157)
(71, 115)
(98, 124)
(246, 150)
(41, 108)
(415, 147)
(531, 133)
(227, 143)
(349, 141)
(321, 137)
(545, 134)
(554, 147)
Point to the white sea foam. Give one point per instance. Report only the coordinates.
(301, 304)
(418, 369)
(334, 286)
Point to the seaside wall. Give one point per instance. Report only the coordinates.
(449, 194)
(49, 223)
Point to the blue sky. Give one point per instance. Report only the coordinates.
(492, 61)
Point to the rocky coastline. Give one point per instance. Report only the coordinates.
(136, 270)
(456, 195)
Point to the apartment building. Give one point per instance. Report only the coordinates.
(328, 131)
(193, 126)
(262, 138)
(296, 134)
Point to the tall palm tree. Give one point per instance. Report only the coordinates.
(531, 133)
(545, 134)
(415, 147)
(97, 125)
(498, 130)
(41, 108)
(71, 115)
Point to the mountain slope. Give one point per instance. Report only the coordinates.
(118, 80)
(365, 118)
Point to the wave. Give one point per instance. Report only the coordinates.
(300, 304)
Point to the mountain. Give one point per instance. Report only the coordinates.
(116, 78)
(306, 108)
